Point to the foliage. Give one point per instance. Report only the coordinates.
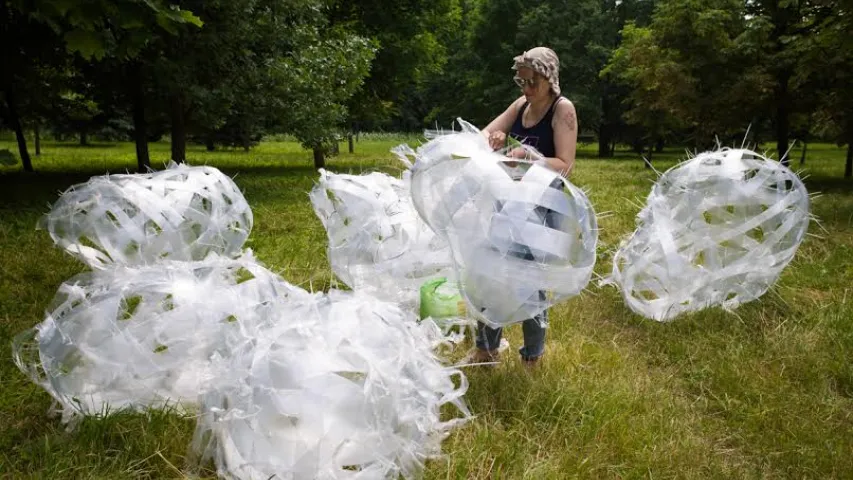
(95, 29)
(638, 71)
(317, 81)
(688, 71)
(407, 37)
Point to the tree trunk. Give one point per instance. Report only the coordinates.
(848, 167)
(604, 141)
(604, 131)
(638, 146)
(659, 145)
(349, 141)
(782, 115)
(37, 135)
(648, 160)
(319, 158)
(84, 139)
(140, 127)
(15, 122)
(803, 156)
(209, 144)
(179, 130)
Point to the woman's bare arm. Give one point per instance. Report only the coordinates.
(565, 125)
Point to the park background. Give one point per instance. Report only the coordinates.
(268, 91)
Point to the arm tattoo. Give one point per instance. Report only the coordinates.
(569, 119)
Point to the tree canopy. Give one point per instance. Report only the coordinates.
(226, 73)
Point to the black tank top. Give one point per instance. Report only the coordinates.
(539, 136)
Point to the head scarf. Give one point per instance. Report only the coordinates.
(543, 61)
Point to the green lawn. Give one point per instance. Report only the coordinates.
(765, 392)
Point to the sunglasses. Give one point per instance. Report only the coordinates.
(524, 82)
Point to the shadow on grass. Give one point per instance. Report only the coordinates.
(824, 184)
(27, 190)
(833, 205)
(94, 146)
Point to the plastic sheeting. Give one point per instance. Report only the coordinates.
(181, 213)
(377, 242)
(716, 230)
(342, 386)
(134, 338)
(286, 382)
(522, 238)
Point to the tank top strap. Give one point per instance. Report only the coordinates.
(520, 116)
(550, 115)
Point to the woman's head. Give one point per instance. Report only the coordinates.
(537, 72)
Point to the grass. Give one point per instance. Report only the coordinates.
(762, 393)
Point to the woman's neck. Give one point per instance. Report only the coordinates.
(539, 105)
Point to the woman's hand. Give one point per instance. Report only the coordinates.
(518, 152)
(497, 140)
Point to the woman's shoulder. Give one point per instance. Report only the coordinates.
(563, 104)
(563, 108)
(518, 103)
(564, 113)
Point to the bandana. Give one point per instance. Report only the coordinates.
(543, 61)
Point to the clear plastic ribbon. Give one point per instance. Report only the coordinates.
(522, 238)
(716, 230)
(377, 242)
(181, 213)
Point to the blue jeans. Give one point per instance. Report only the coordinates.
(489, 338)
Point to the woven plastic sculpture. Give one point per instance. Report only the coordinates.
(377, 242)
(144, 337)
(522, 238)
(290, 384)
(342, 386)
(716, 230)
(181, 213)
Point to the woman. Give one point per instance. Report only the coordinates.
(542, 119)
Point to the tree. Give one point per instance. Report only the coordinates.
(76, 111)
(780, 29)
(406, 35)
(450, 94)
(113, 33)
(661, 91)
(734, 64)
(696, 68)
(829, 63)
(611, 125)
(193, 89)
(317, 81)
(30, 56)
(279, 66)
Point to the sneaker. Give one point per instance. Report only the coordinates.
(485, 356)
(481, 357)
(478, 356)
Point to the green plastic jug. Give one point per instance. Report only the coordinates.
(441, 299)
